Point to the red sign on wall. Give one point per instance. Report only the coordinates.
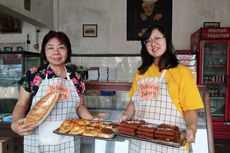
(215, 33)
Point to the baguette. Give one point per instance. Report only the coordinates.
(41, 109)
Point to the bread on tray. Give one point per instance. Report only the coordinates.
(88, 128)
(66, 126)
(141, 129)
(105, 133)
(41, 109)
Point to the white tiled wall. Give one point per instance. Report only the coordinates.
(125, 66)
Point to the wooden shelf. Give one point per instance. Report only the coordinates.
(215, 66)
(108, 86)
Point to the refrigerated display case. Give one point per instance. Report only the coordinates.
(212, 46)
(12, 66)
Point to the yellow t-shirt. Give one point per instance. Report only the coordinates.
(181, 86)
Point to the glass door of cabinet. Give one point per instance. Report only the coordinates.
(214, 72)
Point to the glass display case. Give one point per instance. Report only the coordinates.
(12, 66)
(107, 100)
(212, 46)
(214, 72)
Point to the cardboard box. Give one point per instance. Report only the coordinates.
(11, 145)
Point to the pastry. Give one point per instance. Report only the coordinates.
(105, 133)
(66, 126)
(97, 124)
(111, 126)
(81, 121)
(132, 124)
(41, 109)
(90, 132)
(77, 129)
(169, 126)
(126, 131)
(148, 134)
(147, 128)
(163, 131)
(144, 136)
(168, 133)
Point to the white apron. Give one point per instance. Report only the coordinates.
(43, 140)
(154, 105)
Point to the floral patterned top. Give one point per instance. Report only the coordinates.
(34, 77)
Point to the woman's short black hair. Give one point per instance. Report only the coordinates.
(167, 60)
(62, 37)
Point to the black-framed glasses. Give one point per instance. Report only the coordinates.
(157, 40)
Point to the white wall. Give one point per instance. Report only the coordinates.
(41, 12)
(189, 15)
(110, 16)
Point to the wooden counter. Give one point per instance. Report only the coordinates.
(5, 130)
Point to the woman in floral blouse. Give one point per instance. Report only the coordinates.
(53, 76)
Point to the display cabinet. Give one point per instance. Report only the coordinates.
(12, 66)
(212, 46)
(107, 100)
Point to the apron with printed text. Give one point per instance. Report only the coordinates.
(43, 140)
(154, 105)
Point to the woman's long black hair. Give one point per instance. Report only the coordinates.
(167, 60)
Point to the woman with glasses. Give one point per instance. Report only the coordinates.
(163, 91)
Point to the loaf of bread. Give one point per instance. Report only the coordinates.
(132, 124)
(41, 109)
(146, 131)
(130, 127)
(147, 128)
(127, 131)
(168, 126)
(167, 132)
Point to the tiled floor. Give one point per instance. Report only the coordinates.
(222, 146)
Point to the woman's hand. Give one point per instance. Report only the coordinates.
(129, 112)
(21, 129)
(190, 117)
(124, 117)
(190, 135)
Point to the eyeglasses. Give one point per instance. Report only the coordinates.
(157, 40)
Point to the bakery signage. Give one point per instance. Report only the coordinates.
(215, 33)
(12, 47)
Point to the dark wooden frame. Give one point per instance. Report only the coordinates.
(211, 24)
(206, 99)
(9, 24)
(89, 30)
(135, 24)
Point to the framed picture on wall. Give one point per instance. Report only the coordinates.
(143, 13)
(89, 30)
(9, 24)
